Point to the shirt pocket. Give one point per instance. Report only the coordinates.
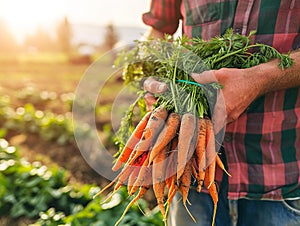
(198, 13)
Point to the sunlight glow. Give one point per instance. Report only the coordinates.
(24, 16)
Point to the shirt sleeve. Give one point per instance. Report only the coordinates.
(164, 15)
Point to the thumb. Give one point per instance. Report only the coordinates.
(204, 77)
(153, 86)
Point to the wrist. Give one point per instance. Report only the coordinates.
(152, 33)
(265, 77)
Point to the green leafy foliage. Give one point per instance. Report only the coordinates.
(129, 121)
(107, 214)
(32, 95)
(35, 191)
(29, 188)
(49, 126)
(173, 62)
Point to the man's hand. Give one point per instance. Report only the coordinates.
(239, 90)
(152, 87)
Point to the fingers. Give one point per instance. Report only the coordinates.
(150, 100)
(219, 114)
(153, 86)
(204, 77)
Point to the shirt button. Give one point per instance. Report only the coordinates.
(228, 138)
(238, 30)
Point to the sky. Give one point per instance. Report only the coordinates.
(23, 16)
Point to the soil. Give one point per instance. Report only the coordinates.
(68, 157)
(34, 148)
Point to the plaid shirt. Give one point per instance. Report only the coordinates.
(263, 145)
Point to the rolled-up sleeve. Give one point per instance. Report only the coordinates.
(164, 15)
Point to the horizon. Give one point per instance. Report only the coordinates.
(25, 17)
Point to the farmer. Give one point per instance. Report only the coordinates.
(262, 138)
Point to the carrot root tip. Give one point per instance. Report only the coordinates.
(210, 184)
(227, 172)
(190, 214)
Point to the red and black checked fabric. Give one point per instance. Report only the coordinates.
(263, 146)
(162, 16)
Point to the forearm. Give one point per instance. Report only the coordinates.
(269, 77)
(152, 33)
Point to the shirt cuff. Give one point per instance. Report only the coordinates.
(159, 24)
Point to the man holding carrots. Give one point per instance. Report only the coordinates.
(262, 138)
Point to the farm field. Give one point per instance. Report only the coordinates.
(24, 84)
(35, 117)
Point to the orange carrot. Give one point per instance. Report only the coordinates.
(200, 153)
(117, 181)
(171, 194)
(148, 177)
(185, 138)
(201, 144)
(212, 189)
(210, 151)
(221, 165)
(171, 164)
(171, 176)
(122, 177)
(174, 144)
(142, 191)
(142, 160)
(129, 173)
(192, 146)
(132, 178)
(171, 168)
(200, 179)
(194, 172)
(132, 141)
(158, 178)
(185, 184)
(153, 128)
(172, 158)
(210, 143)
(141, 178)
(166, 135)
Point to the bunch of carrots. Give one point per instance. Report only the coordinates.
(174, 143)
(166, 150)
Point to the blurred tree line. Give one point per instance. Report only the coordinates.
(43, 41)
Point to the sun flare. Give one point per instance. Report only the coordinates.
(23, 17)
